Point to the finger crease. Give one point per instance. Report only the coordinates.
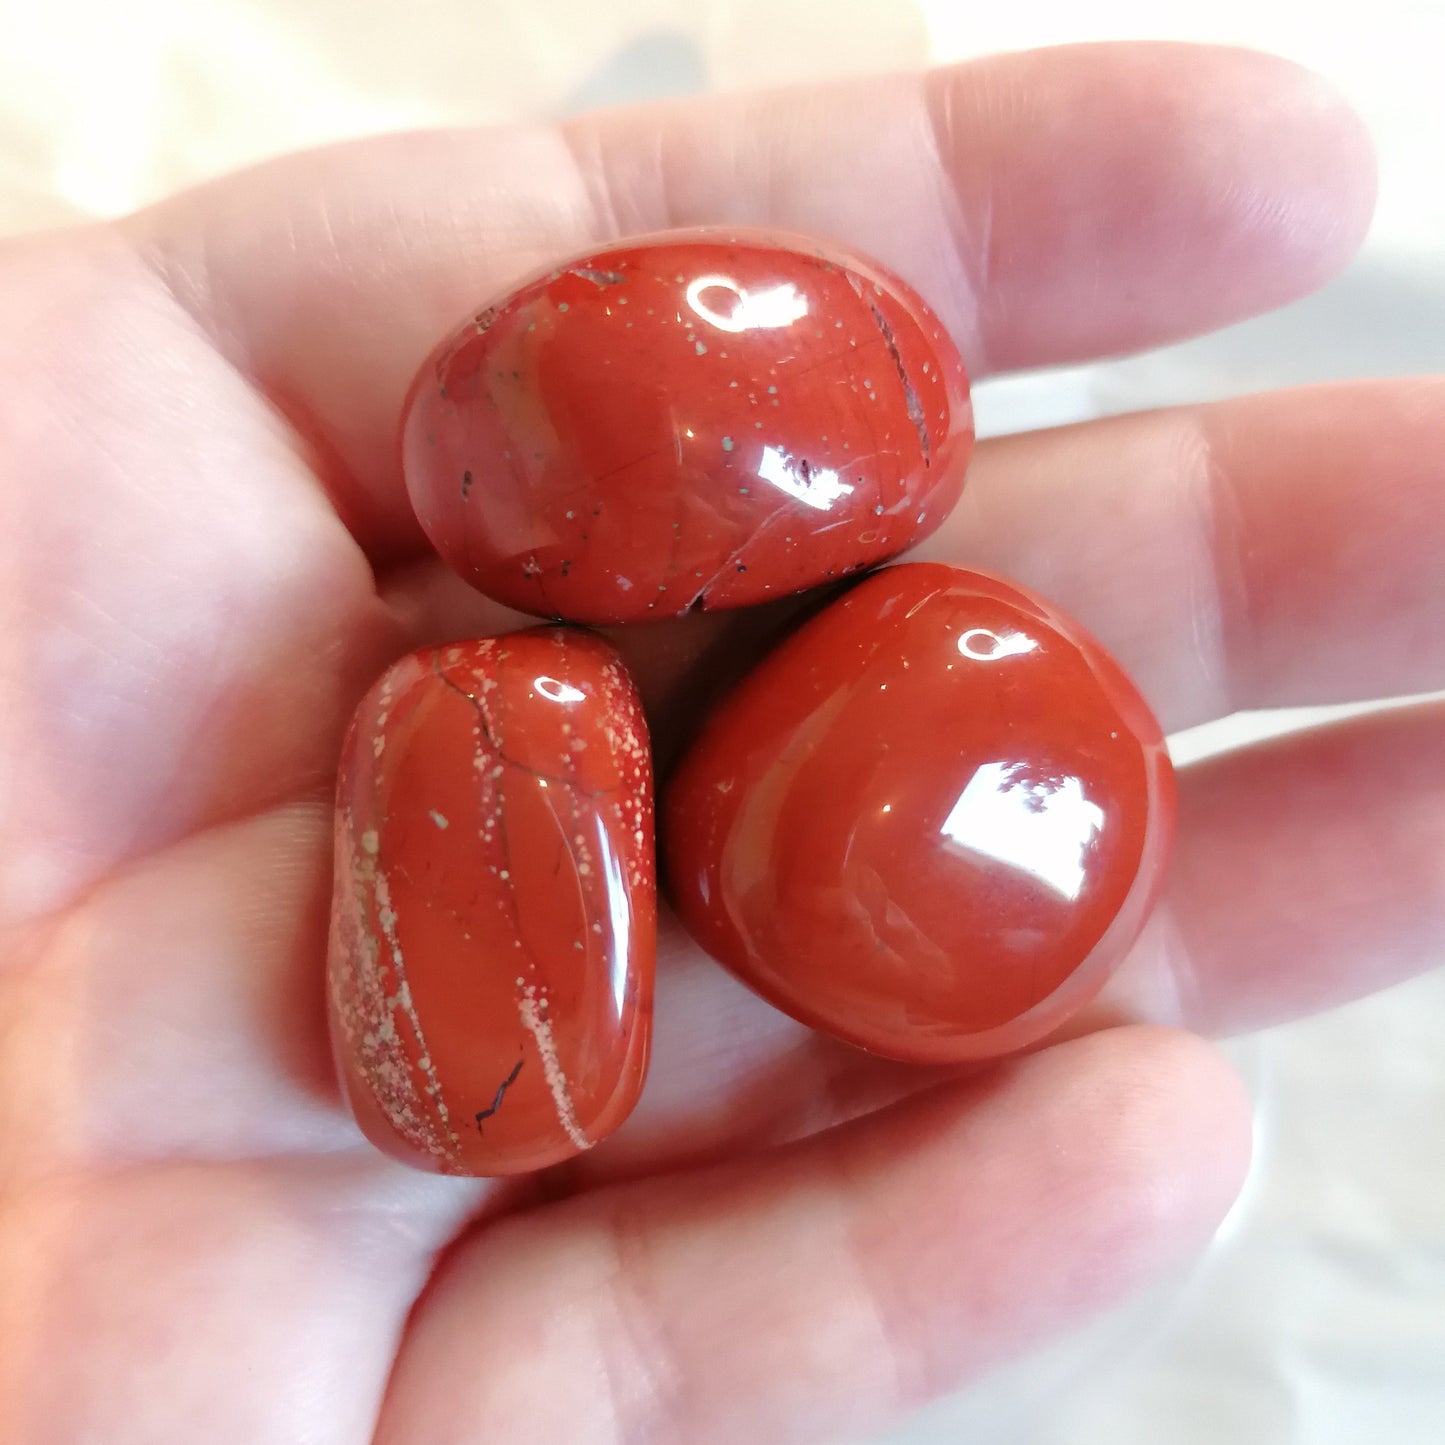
(1221, 609)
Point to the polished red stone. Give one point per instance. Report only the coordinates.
(494, 912)
(699, 419)
(930, 823)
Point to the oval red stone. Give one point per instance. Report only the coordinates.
(699, 419)
(494, 911)
(930, 823)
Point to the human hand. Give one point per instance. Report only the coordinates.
(209, 555)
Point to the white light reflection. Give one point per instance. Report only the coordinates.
(984, 645)
(620, 912)
(776, 306)
(1041, 827)
(816, 487)
(558, 691)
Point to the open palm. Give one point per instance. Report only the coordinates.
(207, 555)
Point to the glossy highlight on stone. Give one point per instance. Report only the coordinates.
(931, 823)
(699, 419)
(494, 911)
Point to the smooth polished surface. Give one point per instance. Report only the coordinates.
(699, 419)
(494, 913)
(930, 823)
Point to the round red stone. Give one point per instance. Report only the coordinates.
(494, 912)
(930, 823)
(701, 419)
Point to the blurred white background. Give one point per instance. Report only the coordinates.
(1319, 1318)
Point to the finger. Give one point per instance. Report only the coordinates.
(1051, 205)
(184, 993)
(235, 1303)
(1310, 870)
(825, 1289)
(1274, 550)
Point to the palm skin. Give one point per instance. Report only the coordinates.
(208, 556)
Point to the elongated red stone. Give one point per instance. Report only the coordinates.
(930, 823)
(494, 911)
(698, 419)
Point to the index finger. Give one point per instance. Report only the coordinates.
(1051, 206)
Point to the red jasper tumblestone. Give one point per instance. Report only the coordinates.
(930, 823)
(494, 911)
(699, 419)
